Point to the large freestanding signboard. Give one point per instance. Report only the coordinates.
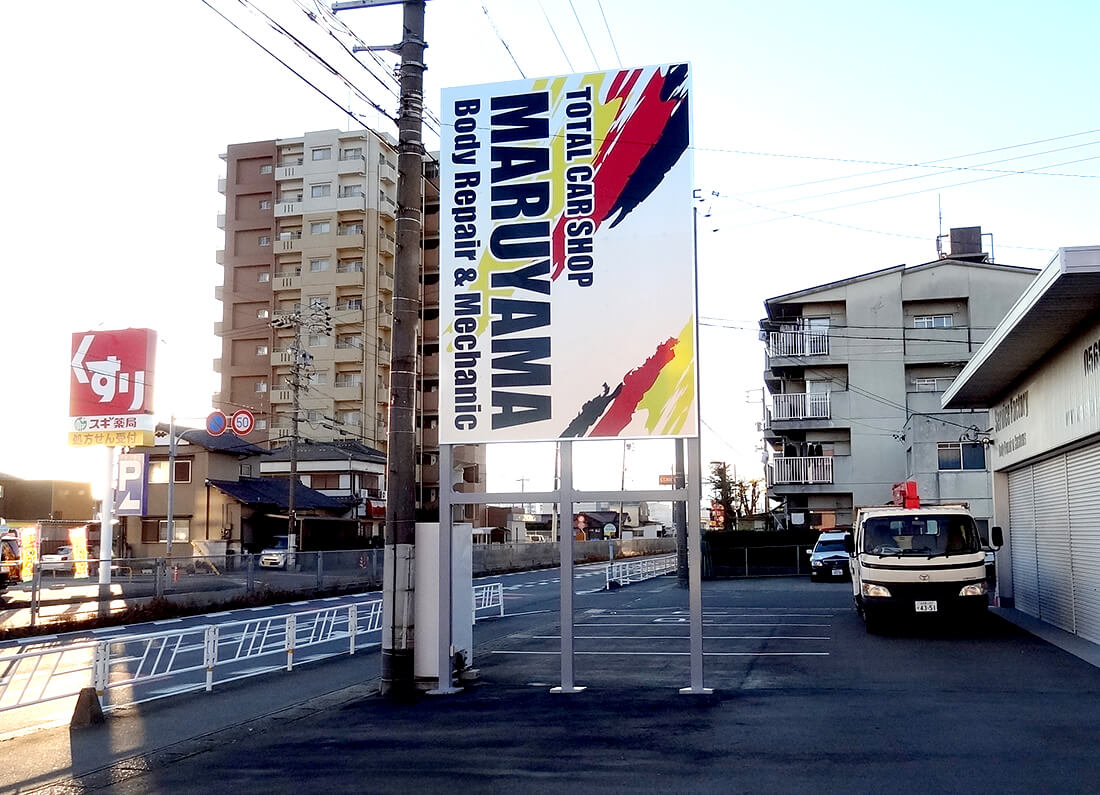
(567, 296)
(111, 388)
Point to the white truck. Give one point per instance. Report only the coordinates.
(911, 561)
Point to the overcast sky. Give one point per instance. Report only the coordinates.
(825, 135)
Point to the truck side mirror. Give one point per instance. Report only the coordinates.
(849, 545)
(996, 537)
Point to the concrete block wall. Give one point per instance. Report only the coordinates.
(502, 558)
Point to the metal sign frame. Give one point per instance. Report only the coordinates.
(566, 496)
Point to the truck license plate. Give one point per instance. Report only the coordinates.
(927, 607)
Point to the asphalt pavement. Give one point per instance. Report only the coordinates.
(804, 699)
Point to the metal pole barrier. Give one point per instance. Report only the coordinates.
(353, 627)
(36, 585)
(695, 562)
(565, 500)
(158, 578)
(320, 570)
(251, 586)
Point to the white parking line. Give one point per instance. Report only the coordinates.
(168, 621)
(258, 609)
(705, 623)
(674, 653)
(682, 637)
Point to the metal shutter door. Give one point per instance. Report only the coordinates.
(1021, 535)
(1083, 475)
(1052, 543)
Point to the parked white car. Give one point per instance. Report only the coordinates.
(277, 556)
(62, 560)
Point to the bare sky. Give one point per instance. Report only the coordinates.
(825, 135)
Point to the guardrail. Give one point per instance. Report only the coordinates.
(126, 670)
(630, 571)
(488, 596)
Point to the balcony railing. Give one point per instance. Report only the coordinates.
(801, 406)
(797, 343)
(802, 469)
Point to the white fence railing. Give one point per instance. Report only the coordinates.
(800, 405)
(802, 469)
(488, 596)
(797, 343)
(628, 571)
(133, 669)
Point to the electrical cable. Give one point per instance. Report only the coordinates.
(614, 47)
(552, 30)
(580, 25)
(502, 41)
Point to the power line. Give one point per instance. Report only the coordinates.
(580, 25)
(896, 166)
(618, 58)
(552, 30)
(502, 41)
(295, 72)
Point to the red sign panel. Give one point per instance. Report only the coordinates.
(111, 372)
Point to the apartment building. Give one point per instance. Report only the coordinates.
(855, 372)
(310, 236)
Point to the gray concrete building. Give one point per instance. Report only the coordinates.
(854, 375)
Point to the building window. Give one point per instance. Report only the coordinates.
(318, 265)
(318, 379)
(320, 191)
(263, 276)
(349, 341)
(354, 153)
(261, 425)
(326, 481)
(318, 302)
(324, 153)
(261, 386)
(349, 417)
(350, 266)
(317, 340)
(262, 314)
(265, 204)
(261, 350)
(158, 471)
(265, 169)
(350, 191)
(351, 229)
(320, 228)
(313, 415)
(349, 303)
(349, 379)
(933, 321)
(156, 530)
(264, 240)
(961, 455)
(938, 384)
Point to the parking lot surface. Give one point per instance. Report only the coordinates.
(804, 699)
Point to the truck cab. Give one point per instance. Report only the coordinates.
(917, 562)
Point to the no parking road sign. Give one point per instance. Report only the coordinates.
(216, 423)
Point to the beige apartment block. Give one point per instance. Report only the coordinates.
(310, 227)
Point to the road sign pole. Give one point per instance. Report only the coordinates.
(106, 520)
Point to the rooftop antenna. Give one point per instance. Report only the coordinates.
(939, 234)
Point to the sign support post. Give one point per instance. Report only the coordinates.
(695, 567)
(106, 533)
(565, 613)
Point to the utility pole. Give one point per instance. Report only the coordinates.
(316, 320)
(398, 583)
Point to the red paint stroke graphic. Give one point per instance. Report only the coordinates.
(639, 149)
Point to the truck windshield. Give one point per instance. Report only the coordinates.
(923, 534)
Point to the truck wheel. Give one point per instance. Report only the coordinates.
(872, 622)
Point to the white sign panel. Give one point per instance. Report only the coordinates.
(567, 296)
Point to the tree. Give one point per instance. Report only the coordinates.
(723, 489)
(737, 498)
